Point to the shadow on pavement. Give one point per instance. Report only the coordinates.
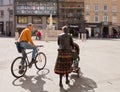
(81, 84)
(32, 83)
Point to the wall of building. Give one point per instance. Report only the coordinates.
(112, 6)
(6, 18)
(62, 20)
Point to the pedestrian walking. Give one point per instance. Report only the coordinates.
(64, 58)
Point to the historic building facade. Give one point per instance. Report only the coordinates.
(71, 13)
(6, 17)
(36, 12)
(102, 17)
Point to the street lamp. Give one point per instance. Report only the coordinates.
(9, 33)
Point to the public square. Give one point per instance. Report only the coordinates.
(99, 63)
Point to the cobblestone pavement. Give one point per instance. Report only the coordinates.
(99, 63)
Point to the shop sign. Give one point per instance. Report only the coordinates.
(35, 7)
(92, 25)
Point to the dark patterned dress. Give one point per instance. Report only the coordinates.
(63, 62)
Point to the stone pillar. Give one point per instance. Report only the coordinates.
(46, 35)
(82, 36)
(78, 35)
(16, 35)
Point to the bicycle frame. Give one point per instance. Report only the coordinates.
(24, 54)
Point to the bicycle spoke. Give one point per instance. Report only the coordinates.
(41, 61)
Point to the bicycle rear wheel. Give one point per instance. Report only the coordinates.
(41, 60)
(16, 67)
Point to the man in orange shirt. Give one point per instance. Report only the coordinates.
(26, 41)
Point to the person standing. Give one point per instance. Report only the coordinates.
(38, 35)
(26, 41)
(63, 64)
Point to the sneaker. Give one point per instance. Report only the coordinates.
(30, 65)
(33, 61)
(67, 81)
(61, 85)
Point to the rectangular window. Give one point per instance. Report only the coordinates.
(105, 7)
(1, 2)
(87, 18)
(10, 1)
(11, 12)
(105, 18)
(114, 19)
(36, 20)
(87, 7)
(22, 19)
(114, 8)
(1, 13)
(96, 18)
(96, 7)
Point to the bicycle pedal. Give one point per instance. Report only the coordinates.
(21, 71)
(36, 61)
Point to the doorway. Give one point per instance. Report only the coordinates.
(105, 33)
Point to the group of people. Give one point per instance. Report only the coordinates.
(64, 58)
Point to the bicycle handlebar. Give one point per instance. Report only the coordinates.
(39, 45)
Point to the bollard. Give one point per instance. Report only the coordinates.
(46, 37)
(16, 35)
(78, 35)
(82, 37)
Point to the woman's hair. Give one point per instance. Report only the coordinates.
(65, 29)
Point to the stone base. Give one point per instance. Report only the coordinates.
(51, 34)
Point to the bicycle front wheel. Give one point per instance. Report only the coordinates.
(40, 60)
(17, 69)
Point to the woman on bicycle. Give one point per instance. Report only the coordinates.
(64, 58)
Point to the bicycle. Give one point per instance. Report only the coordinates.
(16, 65)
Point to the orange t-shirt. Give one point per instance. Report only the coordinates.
(26, 36)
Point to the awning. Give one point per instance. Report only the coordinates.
(75, 26)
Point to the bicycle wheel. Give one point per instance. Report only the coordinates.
(41, 60)
(16, 67)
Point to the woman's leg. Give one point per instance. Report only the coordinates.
(60, 82)
(67, 80)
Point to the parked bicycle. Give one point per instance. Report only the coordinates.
(18, 71)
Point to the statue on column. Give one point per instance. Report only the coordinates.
(50, 26)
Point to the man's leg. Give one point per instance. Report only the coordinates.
(29, 46)
(26, 45)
